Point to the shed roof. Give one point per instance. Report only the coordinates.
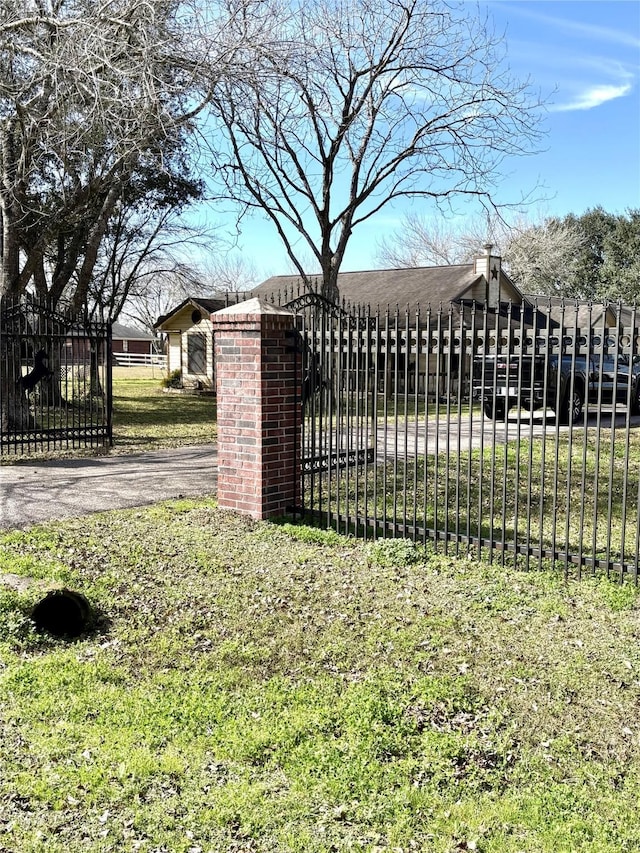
(121, 332)
(206, 304)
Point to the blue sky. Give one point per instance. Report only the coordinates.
(587, 55)
(584, 57)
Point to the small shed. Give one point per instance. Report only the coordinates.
(190, 341)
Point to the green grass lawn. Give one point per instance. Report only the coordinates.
(579, 498)
(260, 687)
(146, 417)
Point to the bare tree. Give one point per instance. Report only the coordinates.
(366, 102)
(92, 93)
(540, 256)
(162, 291)
(420, 241)
(141, 247)
(229, 272)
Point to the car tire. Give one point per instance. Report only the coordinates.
(571, 408)
(496, 410)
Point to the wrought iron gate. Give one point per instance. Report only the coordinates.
(338, 403)
(55, 379)
(513, 433)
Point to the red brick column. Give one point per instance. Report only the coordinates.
(258, 426)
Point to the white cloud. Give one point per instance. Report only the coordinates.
(589, 57)
(592, 97)
(597, 33)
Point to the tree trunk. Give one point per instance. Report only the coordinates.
(15, 413)
(93, 245)
(9, 256)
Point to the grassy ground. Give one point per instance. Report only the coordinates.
(260, 687)
(146, 417)
(573, 498)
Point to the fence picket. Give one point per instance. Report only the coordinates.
(55, 379)
(419, 442)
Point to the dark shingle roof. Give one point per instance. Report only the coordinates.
(583, 313)
(121, 332)
(206, 304)
(379, 288)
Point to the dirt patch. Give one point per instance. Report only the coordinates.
(18, 582)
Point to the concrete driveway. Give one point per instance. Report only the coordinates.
(444, 436)
(31, 493)
(35, 492)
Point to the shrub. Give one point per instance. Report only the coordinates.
(173, 380)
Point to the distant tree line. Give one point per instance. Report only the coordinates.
(593, 256)
(608, 259)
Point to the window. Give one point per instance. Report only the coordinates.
(196, 353)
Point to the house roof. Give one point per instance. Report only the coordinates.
(585, 313)
(414, 286)
(121, 332)
(205, 304)
(410, 288)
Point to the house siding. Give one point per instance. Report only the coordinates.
(136, 347)
(185, 338)
(174, 352)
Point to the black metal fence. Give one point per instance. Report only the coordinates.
(511, 433)
(55, 379)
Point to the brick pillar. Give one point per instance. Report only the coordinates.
(258, 425)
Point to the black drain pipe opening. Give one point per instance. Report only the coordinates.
(63, 613)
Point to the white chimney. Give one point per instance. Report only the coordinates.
(489, 266)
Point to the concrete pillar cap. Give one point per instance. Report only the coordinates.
(252, 306)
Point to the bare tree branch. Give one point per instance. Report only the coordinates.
(91, 93)
(541, 256)
(366, 102)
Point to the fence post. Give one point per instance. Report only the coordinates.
(258, 425)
